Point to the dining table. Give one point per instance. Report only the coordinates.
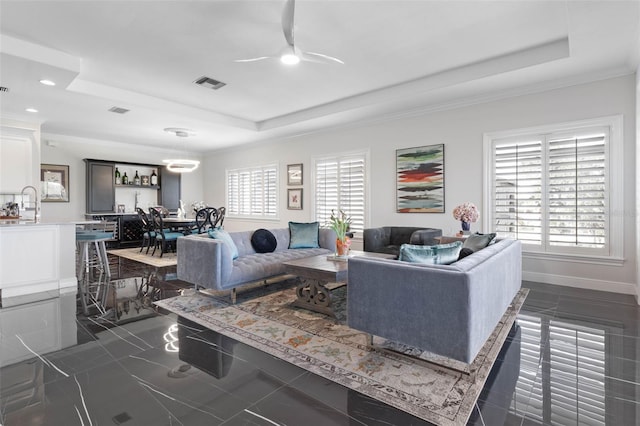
(179, 224)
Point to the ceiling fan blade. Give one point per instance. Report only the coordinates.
(327, 57)
(287, 21)
(252, 59)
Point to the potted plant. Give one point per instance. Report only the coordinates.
(340, 224)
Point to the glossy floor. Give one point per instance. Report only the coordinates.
(572, 360)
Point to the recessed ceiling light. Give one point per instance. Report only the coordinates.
(31, 110)
(179, 131)
(47, 82)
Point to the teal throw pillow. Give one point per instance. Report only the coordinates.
(441, 254)
(222, 235)
(304, 235)
(478, 241)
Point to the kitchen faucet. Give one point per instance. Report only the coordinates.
(36, 215)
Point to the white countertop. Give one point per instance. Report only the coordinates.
(44, 222)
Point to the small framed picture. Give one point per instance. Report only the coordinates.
(55, 183)
(294, 174)
(294, 199)
(121, 208)
(144, 179)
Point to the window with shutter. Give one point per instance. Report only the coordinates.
(253, 192)
(340, 185)
(551, 187)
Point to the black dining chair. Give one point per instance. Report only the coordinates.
(148, 232)
(219, 220)
(164, 238)
(203, 219)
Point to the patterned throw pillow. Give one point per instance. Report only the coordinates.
(441, 254)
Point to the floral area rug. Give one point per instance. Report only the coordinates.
(328, 347)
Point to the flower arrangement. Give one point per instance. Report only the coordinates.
(340, 224)
(466, 212)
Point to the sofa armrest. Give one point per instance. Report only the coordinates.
(204, 261)
(327, 239)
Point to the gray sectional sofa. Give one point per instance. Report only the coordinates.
(449, 310)
(207, 262)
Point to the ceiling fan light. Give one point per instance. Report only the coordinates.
(290, 59)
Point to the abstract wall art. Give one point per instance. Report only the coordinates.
(420, 179)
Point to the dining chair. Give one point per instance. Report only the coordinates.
(203, 219)
(220, 218)
(164, 237)
(148, 230)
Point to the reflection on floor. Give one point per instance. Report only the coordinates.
(572, 359)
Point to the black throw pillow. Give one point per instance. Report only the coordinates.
(263, 241)
(466, 251)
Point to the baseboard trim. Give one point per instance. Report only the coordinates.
(586, 283)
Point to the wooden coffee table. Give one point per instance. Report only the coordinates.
(318, 275)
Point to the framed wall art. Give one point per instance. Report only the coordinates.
(294, 174)
(294, 199)
(55, 183)
(420, 179)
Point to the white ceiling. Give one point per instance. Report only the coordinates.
(399, 56)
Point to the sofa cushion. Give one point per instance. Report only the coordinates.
(441, 254)
(478, 241)
(222, 235)
(263, 241)
(259, 266)
(304, 235)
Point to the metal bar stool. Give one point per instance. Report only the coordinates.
(92, 257)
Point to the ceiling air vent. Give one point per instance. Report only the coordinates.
(118, 110)
(210, 83)
(4, 89)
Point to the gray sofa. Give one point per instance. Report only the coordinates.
(449, 310)
(388, 239)
(207, 262)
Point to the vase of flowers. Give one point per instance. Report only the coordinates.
(466, 213)
(340, 224)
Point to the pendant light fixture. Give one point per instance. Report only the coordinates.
(181, 165)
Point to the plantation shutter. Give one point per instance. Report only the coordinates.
(340, 185)
(517, 189)
(252, 192)
(577, 189)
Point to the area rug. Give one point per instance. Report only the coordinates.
(168, 259)
(328, 348)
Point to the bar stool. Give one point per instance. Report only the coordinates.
(92, 257)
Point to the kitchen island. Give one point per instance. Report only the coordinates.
(38, 288)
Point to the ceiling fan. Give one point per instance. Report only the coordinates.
(291, 54)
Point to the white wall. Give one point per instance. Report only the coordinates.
(461, 131)
(638, 185)
(56, 149)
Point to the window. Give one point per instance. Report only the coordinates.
(340, 185)
(253, 192)
(551, 187)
